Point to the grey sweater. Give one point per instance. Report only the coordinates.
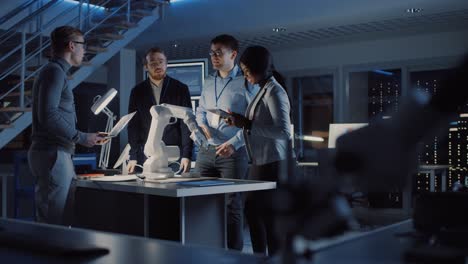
(54, 116)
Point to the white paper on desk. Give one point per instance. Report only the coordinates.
(121, 125)
(115, 178)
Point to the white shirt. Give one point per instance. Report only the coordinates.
(157, 87)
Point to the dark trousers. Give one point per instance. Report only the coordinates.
(259, 217)
(235, 167)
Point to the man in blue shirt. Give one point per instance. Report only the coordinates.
(225, 155)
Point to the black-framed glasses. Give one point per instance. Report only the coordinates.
(85, 45)
(216, 53)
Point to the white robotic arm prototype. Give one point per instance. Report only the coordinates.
(158, 154)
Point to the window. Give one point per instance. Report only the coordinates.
(312, 103)
(373, 94)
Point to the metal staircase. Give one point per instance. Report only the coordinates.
(109, 25)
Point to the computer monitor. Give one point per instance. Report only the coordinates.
(336, 130)
(191, 73)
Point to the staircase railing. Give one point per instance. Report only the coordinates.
(77, 21)
(16, 11)
(26, 20)
(21, 64)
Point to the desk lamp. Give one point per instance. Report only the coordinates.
(100, 105)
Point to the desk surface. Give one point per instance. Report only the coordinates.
(176, 190)
(123, 248)
(379, 246)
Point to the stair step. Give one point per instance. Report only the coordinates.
(126, 25)
(106, 36)
(95, 49)
(27, 81)
(118, 19)
(33, 68)
(141, 13)
(114, 27)
(13, 94)
(145, 4)
(15, 41)
(119, 24)
(3, 126)
(135, 14)
(134, 4)
(16, 109)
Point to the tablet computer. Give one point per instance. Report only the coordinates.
(120, 125)
(221, 113)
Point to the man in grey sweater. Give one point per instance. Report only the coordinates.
(54, 134)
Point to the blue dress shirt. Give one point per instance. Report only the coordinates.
(228, 93)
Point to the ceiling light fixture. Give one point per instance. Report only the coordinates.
(101, 102)
(414, 10)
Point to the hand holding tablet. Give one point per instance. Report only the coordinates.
(221, 113)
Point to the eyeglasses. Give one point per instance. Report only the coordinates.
(85, 45)
(216, 53)
(156, 64)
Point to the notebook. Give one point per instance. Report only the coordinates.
(204, 183)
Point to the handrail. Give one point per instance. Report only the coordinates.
(28, 19)
(15, 11)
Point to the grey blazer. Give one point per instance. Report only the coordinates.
(267, 140)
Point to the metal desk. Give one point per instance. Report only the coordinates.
(123, 249)
(201, 215)
(379, 246)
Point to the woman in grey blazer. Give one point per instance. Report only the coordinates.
(266, 126)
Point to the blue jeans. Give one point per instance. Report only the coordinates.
(235, 167)
(54, 173)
